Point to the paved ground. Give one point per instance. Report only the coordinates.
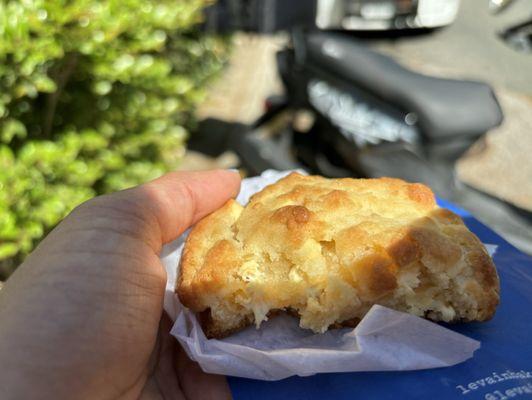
(251, 76)
(501, 165)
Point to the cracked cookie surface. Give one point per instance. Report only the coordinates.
(326, 250)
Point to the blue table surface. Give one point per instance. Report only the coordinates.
(501, 369)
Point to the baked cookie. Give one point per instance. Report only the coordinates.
(327, 250)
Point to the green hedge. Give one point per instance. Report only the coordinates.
(95, 96)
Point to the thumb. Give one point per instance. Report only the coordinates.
(178, 200)
(163, 209)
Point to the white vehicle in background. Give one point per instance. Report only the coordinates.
(379, 15)
(268, 16)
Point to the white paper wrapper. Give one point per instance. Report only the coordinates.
(384, 340)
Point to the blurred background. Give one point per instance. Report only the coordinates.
(97, 96)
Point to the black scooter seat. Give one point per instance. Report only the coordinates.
(444, 107)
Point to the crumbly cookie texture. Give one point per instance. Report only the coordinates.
(327, 250)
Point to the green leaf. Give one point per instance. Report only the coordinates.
(7, 159)
(8, 250)
(44, 84)
(12, 129)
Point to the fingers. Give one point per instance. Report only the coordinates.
(163, 382)
(197, 384)
(177, 377)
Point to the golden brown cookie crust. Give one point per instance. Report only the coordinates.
(328, 249)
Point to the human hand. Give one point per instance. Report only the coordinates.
(82, 317)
